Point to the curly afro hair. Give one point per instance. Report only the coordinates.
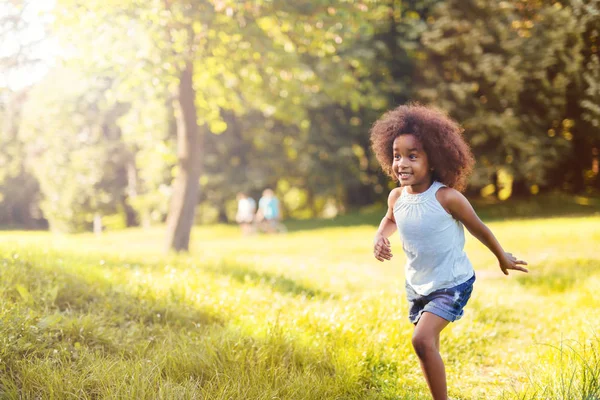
(440, 136)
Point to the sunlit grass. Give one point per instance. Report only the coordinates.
(306, 315)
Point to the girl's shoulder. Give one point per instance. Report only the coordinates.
(448, 197)
(447, 193)
(394, 196)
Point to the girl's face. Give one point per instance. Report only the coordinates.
(410, 164)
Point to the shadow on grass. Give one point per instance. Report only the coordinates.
(79, 295)
(279, 283)
(244, 274)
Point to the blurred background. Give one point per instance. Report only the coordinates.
(141, 113)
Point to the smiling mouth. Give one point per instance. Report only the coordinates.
(404, 175)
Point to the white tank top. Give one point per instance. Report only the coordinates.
(433, 242)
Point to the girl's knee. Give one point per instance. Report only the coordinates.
(423, 344)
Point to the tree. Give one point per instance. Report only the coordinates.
(578, 172)
(248, 56)
(74, 148)
(19, 191)
(503, 70)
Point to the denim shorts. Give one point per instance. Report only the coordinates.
(446, 303)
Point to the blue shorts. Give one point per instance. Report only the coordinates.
(446, 303)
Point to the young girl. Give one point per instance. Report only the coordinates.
(424, 150)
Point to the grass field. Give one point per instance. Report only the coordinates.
(305, 315)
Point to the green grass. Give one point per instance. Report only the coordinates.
(305, 315)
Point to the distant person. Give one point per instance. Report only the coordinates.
(245, 213)
(423, 149)
(269, 214)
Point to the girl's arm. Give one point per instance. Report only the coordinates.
(381, 245)
(459, 207)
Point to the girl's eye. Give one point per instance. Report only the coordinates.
(396, 157)
(412, 156)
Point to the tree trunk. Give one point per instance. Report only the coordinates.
(596, 164)
(222, 218)
(311, 202)
(189, 151)
(581, 159)
(131, 215)
(497, 186)
(520, 189)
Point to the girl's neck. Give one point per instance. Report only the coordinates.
(419, 187)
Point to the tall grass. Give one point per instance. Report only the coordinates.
(571, 370)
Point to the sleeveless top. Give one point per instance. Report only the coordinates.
(433, 242)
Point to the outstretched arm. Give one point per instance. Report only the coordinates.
(460, 208)
(381, 245)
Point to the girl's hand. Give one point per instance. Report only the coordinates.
(381, 248)
(510, 262)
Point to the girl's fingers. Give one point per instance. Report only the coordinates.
(383, 249)
(383, 255)
(518, 268)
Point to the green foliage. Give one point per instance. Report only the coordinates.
(592, 94)
(254, 62)
(74, 149)
(19, 190)
(285, 94)
(504, 74)
(588, 15)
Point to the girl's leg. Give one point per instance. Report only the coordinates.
(426, 342)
